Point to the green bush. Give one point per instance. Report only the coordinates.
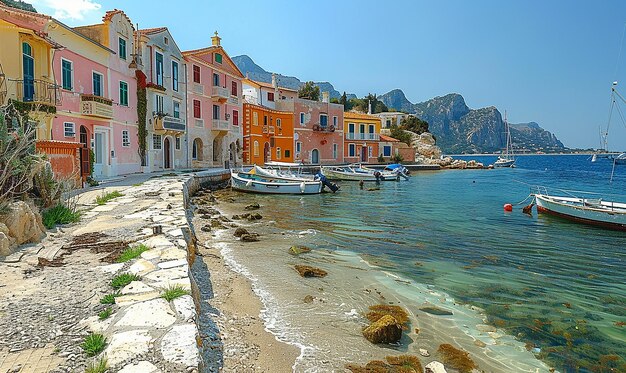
(124, 279)
(107, 197)
(59, 214)
(132, 253)
(94, 344)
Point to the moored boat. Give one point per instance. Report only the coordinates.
(357, 174)
(506, 160)
(597, 212)
(247, 182)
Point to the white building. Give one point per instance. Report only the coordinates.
(266, 94)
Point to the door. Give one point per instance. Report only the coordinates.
(364, 154)
(167, 157)
(315, 156)
(28, 65)
(267, 153)
(100, 151)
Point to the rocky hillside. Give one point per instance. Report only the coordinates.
(255, 72)
(459, 129)
(19, 5)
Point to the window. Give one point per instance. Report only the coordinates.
(216, 80)
(123, 93)
(323, 120)
(66, 74)
(196, 109)
(121, 48)
(388, 123)
(158, 105)
(166, 41)
(216, 112)
(233, 90)
(235, 118)
(335, 121)
(351, 150)
(270, 96)
(256, 148)
(335, 151)
(196, 74)
(125, 138)
(177, 142)
(361, 128)
(350, 127)
(287, 153)
(298, 147)
(158, 65)
(278, 153)
(255, 118)
(218, 58)
(156, 142)
(278, 122)
(68, 129)
(301, 118)
(371, 128)
(387, 151)
(175, 76)
(97, 84)
(176, 106)
(265, 120)
(194, 150)
(370, 151)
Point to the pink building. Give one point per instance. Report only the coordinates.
(318, 129)
(214, 107)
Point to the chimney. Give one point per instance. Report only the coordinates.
(215, 40)
(369, 107)
(325, 97)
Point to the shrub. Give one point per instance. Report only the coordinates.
(107, 197)
(132, 253)
(124, 279)
(94, 344)
(174, 292)
(59, 214)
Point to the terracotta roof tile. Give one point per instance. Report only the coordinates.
(353, 115)
(388, 139)
(155, 30)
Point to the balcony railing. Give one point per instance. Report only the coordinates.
(220, 125)
(96, 106)
(362, 136)
(220, 94)
(36, 91)
(233, 100)
(168, 123)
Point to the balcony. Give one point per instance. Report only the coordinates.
(96, 106)
(169, 124)
(220, 94)
(362, 136)
(220, 125)
(40, 94)
(233, 100)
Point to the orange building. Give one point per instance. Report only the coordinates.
(267, 135)
(362, 133)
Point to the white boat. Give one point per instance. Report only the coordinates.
(247, 182)
(506, 160)
(355, 173)
(605, 214)
(281, 173)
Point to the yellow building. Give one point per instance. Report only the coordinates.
(362, 137)
(26, 78)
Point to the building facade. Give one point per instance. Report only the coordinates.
(362, 138)
(266, 94)
(161, 71)
(214, 107)
(389, 119)
(318, 130)
(267, 135)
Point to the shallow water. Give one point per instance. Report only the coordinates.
(442, 238)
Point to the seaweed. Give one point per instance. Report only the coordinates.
(456, 358)
(405, 363)
(379, 310)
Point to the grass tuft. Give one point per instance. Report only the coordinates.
(132, 253)
(107, 197)
(124, 279)
(174, 292)
(103, 315)
(94, 344)
(109, 298)
(97, 366)
(59, 214)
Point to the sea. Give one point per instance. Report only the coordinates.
(519, 292)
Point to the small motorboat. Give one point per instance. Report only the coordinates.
(605, 214)
(250, 182)
(399, 169)
(357, 173)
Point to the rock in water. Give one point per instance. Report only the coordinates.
(254, 206)
(435, 367)
(250, 237)
(309, 299)
(308, 271)
(385, 330)
(297, 250)
(256, 216)
(240, 232)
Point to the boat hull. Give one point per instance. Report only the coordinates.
(274, 186)
(574, 209)
(357, 176)
(504, 163)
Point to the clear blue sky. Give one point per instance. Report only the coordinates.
(551, 62)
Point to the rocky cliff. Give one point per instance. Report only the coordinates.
(459, 129)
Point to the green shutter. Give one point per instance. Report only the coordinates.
(218, 58)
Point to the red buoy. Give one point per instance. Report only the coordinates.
(508, 207)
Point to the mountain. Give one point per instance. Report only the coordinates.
(19, 5)
(459, 129)
(255, 72)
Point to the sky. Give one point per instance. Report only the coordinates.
(551, 62)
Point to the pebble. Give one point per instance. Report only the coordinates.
(424, 352)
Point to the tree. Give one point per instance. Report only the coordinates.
(400, 134)
(309, 91)
(414, 124)
(343, 99)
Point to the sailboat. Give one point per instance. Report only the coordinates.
(506, 160)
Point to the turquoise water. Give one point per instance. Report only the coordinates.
(559, 287)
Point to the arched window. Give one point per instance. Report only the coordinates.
(256, 148)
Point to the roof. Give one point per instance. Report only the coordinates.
(353, 115)
(264, 108)
(109, 16)
(150, 31)
(391, 113)
(266, 85)
(388, 139)
(212, 48)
